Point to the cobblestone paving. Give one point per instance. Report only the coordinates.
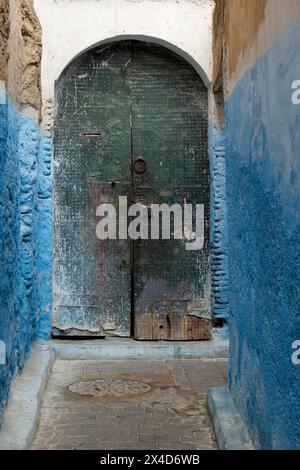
(169, 412)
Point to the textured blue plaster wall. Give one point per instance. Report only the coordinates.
(219, 227)
(25, 243)
(44, 236)
(263, 192)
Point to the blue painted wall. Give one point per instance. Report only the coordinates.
(25, 238)
(44, 235)
(219, 226)
(263, 192)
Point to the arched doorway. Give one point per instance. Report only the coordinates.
(131, 120)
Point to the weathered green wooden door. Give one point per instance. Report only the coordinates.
(131, 120)
(92, 278)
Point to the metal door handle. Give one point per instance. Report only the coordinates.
(139, 165)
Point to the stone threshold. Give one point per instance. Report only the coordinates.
(128, 348)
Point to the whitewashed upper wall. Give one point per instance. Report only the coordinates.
(72, 26)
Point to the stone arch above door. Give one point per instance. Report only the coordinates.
(201, 69)
(70, 27)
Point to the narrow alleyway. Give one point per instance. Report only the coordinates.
(129, 404)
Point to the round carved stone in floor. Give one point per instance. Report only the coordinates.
(109, 387)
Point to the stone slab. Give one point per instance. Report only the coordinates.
(22, 413)
(230, 430)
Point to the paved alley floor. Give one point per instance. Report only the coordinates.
(129, 404)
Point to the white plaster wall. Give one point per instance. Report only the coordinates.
(72, 26)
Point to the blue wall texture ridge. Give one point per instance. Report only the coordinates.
(263, 195)
(44, 239)
(25, 238)
(219, 226)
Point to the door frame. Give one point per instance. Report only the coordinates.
(45, 211)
